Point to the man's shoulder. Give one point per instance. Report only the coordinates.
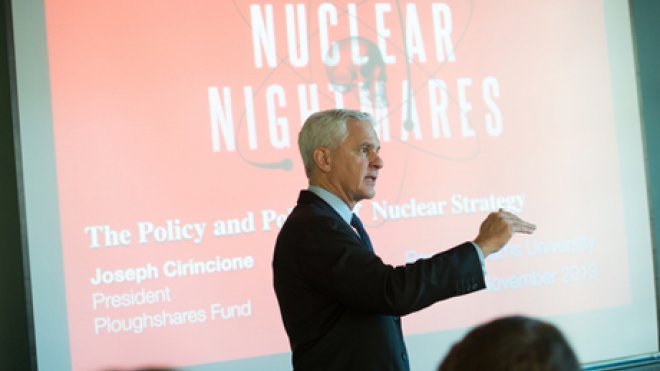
(311, 213)
(310, 220)
(311, 205)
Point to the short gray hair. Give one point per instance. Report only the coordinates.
(325, 129)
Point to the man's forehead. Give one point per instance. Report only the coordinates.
(363, 131)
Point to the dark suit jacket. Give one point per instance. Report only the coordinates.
(340, 303)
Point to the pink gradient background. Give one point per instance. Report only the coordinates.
(130, 86)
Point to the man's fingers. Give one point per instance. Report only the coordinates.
(522, 227)
(516, 224)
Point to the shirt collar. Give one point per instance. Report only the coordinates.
(335, 202)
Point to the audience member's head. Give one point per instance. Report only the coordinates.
(514, 343)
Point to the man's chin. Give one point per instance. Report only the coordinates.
(369, 194)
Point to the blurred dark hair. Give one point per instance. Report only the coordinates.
(514, 343)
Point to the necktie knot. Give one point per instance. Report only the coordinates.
(359, 227)
(356, 223)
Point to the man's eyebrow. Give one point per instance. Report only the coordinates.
(370, 145)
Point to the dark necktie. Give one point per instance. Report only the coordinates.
(357, 224)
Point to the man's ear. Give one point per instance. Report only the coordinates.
(323, 159)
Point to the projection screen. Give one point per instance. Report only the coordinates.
(159, 160)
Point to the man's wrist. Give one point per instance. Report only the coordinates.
(482, 257)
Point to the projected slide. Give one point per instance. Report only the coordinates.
(175, 127)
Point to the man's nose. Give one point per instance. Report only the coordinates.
(377, 161)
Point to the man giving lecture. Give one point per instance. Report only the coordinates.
(340, 304)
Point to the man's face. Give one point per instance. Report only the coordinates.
(355, 164)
